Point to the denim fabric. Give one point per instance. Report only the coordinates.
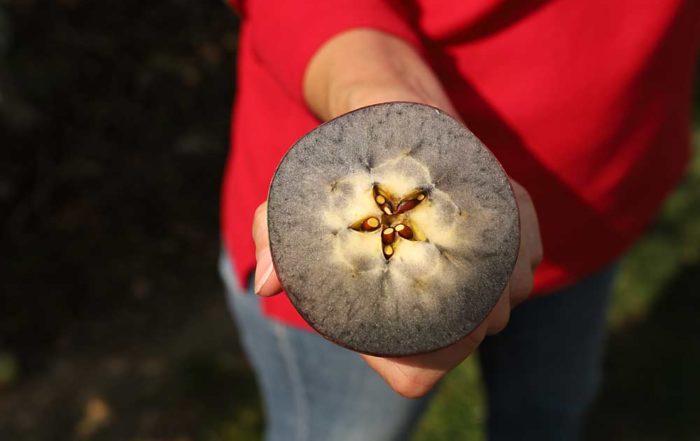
(541, 373)
(312, 389)
(544, 370)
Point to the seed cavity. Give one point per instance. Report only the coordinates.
(383, 200)
(370, 224)
(367, 225)
(404, 231)
(388, 251)
(393, 222)
(388, 235)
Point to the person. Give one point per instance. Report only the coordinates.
(587, 106)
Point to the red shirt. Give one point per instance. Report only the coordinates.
(585, 102)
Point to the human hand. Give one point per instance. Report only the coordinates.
(413, 376)
(393, 71)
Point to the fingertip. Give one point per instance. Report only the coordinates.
(271, 286)
(266, 281)
(500, 315)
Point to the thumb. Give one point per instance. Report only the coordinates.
(266, 281)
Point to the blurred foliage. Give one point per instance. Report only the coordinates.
(458, 410)
(671, 245)
(652, 388)
(8, 370)
(114, 130)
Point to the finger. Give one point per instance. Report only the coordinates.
(266, 281)
(260, 235)
(521, 280)
(404, 380)
(529, 226)
(530, 252)
(415, 375)
(500, 315)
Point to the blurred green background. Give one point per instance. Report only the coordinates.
(113, 326)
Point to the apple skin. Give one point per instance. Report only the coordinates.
(432, 292)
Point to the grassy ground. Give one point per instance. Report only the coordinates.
(114, 127)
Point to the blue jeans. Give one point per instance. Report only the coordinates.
(541, 373)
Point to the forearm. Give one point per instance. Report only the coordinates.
(362, 67)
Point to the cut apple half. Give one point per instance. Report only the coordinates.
(393, 229)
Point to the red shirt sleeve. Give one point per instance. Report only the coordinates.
(285, 34)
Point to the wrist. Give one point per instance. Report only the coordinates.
(362, 67)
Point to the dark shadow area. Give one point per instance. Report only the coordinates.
(652, 385)
(114, 123)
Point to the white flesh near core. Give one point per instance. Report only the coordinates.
(416, 264)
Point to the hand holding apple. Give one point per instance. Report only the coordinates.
(394, 72)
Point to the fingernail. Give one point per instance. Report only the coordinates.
(263, 269)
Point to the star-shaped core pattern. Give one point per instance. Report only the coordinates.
(393, 222)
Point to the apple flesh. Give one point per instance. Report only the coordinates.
(393, 229)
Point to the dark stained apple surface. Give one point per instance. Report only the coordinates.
(393, 229)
